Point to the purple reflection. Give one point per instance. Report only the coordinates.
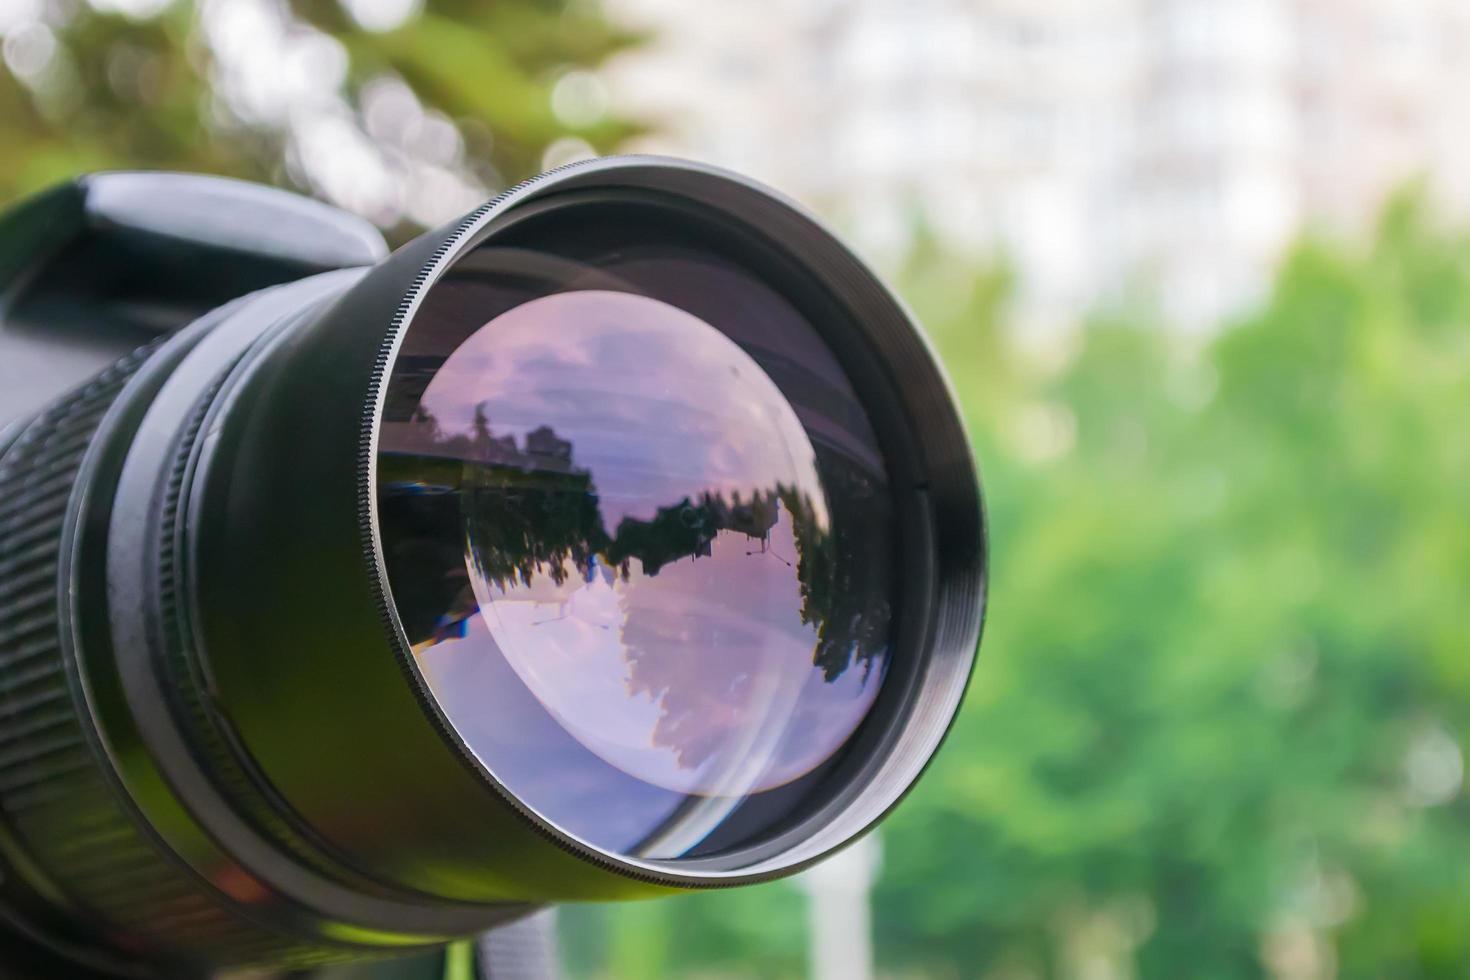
(658, 404)
(690, 675)
(532, 753)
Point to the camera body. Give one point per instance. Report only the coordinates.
(98, 267)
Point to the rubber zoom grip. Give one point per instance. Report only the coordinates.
(57, 803)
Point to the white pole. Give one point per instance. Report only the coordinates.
(839, 912)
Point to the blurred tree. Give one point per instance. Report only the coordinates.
(1217, 728)
(1218, 723)
(406, 111)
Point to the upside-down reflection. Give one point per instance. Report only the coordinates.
(612, 498)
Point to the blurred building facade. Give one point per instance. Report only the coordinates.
(1104, 147)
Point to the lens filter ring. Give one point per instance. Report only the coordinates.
(884, 365)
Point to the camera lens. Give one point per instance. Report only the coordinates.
(618, 539)
(637, 530)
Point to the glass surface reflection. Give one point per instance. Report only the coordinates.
(610, 544)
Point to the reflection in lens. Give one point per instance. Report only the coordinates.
(610, 542)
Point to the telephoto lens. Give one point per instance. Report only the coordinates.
(620, 539)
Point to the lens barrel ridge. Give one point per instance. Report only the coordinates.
(151, 677)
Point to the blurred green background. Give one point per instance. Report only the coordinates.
(1216, 727)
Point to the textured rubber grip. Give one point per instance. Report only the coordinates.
(56, 799)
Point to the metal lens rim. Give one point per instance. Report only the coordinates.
(940, 509)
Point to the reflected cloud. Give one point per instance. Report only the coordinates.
(646, 539)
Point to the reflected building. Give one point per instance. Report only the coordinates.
(549, 450)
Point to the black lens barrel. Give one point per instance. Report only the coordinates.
(215, 747)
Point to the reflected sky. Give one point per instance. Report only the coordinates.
(695, 675)
(658, 404)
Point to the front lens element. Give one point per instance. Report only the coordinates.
(638, 535)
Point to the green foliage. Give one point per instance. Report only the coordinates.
(115, 91)
(488, 62)
(1215, 728)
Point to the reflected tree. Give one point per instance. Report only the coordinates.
(531, 512)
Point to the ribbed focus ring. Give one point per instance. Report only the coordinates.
(55, 800)
(41, 741)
